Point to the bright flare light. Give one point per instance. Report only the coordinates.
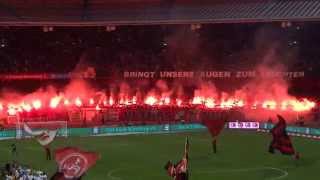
(78, 102)
(197, 100)
(269, 104)
(111, 101)
(304, 105)
(26, 107)
(12, 111)
(54, 102)
(66, 102)
(91, 101)
(166, 100)
(151, 100)
(37, 104)
(134, 100)
(105, 103)
(209, 103)
(179, 102)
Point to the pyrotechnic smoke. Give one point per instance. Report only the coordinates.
(184, 53)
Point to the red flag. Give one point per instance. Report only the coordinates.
(73, 162)
(214, 126)
(281, 141)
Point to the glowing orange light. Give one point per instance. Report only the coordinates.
(98, 108)
(54, 102)
(150, 100)
(304, 105)
(240, 103)
(198, 100)
(167, 100)
(78, 102)
(111, 101)
(66, 102)
(105, 103)
(284, 105)
(209, 103)
(126, 102)
(12, 111)
(36, 104)
(26, 107)
(134, 100)
(91, 101)
(121, 101)
(227, 104)
(179, 102)
(269, 104)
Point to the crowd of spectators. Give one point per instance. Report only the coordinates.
(29, 50)
(154, 48)
(15, 171)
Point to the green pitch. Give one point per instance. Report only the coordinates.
(241, 156)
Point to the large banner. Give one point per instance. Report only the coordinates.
(212, 74)
(158, 75)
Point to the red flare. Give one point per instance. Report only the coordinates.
(111, 101)
(134, 100)
(269, 104)
(66, 102)
(26, 107)
(12, 111)
(91, 101)
(151, 100)
(198, 100)
(209, 103)
(105, 103)
(78, 102)
(37, 104)
(179, 102)
(54, 102)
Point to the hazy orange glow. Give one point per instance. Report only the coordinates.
(153, 100)
(37, 104)
(78, 102)
(91, 101)
(66, 102)
(54, 102)
(269, 104)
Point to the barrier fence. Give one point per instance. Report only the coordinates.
(165, 128)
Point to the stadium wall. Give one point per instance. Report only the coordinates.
(165, 128)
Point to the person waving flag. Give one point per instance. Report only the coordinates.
(280, 139)
(215, 126)
(73, 163)
(44, 137)
(180, 171)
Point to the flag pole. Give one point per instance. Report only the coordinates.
(186, 154)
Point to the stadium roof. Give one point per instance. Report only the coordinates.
(129, 12)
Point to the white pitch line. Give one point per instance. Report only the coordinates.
(113, 171)
(283, 172)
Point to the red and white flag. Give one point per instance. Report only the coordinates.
(73, 162)
(44, 137)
